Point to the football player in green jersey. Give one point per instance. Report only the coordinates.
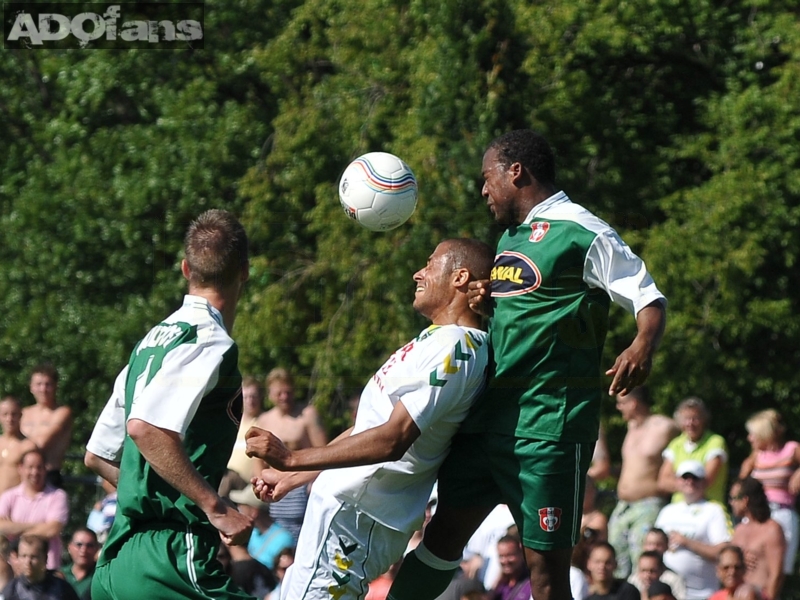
(528, 442)
(166, 433)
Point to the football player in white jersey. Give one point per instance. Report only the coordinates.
(361, 515)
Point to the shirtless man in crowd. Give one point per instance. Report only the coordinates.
(47, 424)
(12, 443)
(760, 537)
(299, 427)
(640, 498)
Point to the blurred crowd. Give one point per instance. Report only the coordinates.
(679, 525)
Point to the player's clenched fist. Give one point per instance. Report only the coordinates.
(266, 446)
(479, 296)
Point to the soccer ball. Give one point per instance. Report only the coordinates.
(378, 190)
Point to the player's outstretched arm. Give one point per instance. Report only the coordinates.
(386, 442)
(633, 366)
(164, 451)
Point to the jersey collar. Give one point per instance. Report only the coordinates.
(200, 303)
(557, 198)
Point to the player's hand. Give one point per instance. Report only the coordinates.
(479, 295)
(272, 485)
(266, 446)
(234, 527)
(630, 369)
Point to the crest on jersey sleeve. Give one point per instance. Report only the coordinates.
(538, 231)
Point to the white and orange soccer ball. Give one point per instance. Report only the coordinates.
(378, 190)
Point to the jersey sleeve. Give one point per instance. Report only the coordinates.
(108, 435)
(716, 448)
(612, 266)
(440, 375)
(171, 398)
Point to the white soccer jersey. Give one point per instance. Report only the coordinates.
(436, 376)
(705, 522)
(168, 393)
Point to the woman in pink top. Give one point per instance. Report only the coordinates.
(776, 464)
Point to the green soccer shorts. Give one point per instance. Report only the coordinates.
(542, 482)
(165, 564)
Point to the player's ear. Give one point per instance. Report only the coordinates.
(460, 277)
(185, 269)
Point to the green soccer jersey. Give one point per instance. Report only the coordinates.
(183, 377)
(553, 280)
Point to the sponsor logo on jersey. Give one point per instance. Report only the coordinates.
(550, 518)
(514, 274)
(538, 230)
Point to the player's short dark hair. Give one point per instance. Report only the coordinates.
(46, 369)
(531, 150)
(757, 502)
(37, 542)
(216, 249)
(473, 255)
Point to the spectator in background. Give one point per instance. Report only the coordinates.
(82, 548)
(298, 427)
(651, 568)
(514, 583)
(47, 424)
(695, 442)
(101, 517)
(760, 537)
(240, 466)
(659, 590)
(35, 507)
(697, 530)
(601, 460)
(34, 581)
(6, 571)
(640, 498)
(268, 538)
(245, 571)
(481, 561)
(601, 564)
(730, 571)
(593, 518)
(775, 463)
(657, 540)
(284, 561)
(12, 443)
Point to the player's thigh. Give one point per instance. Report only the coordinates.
(165, 564)
(339, 551)
(543, 484)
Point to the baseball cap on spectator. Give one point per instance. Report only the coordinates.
(691, 467)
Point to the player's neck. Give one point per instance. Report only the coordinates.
(224, 301)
